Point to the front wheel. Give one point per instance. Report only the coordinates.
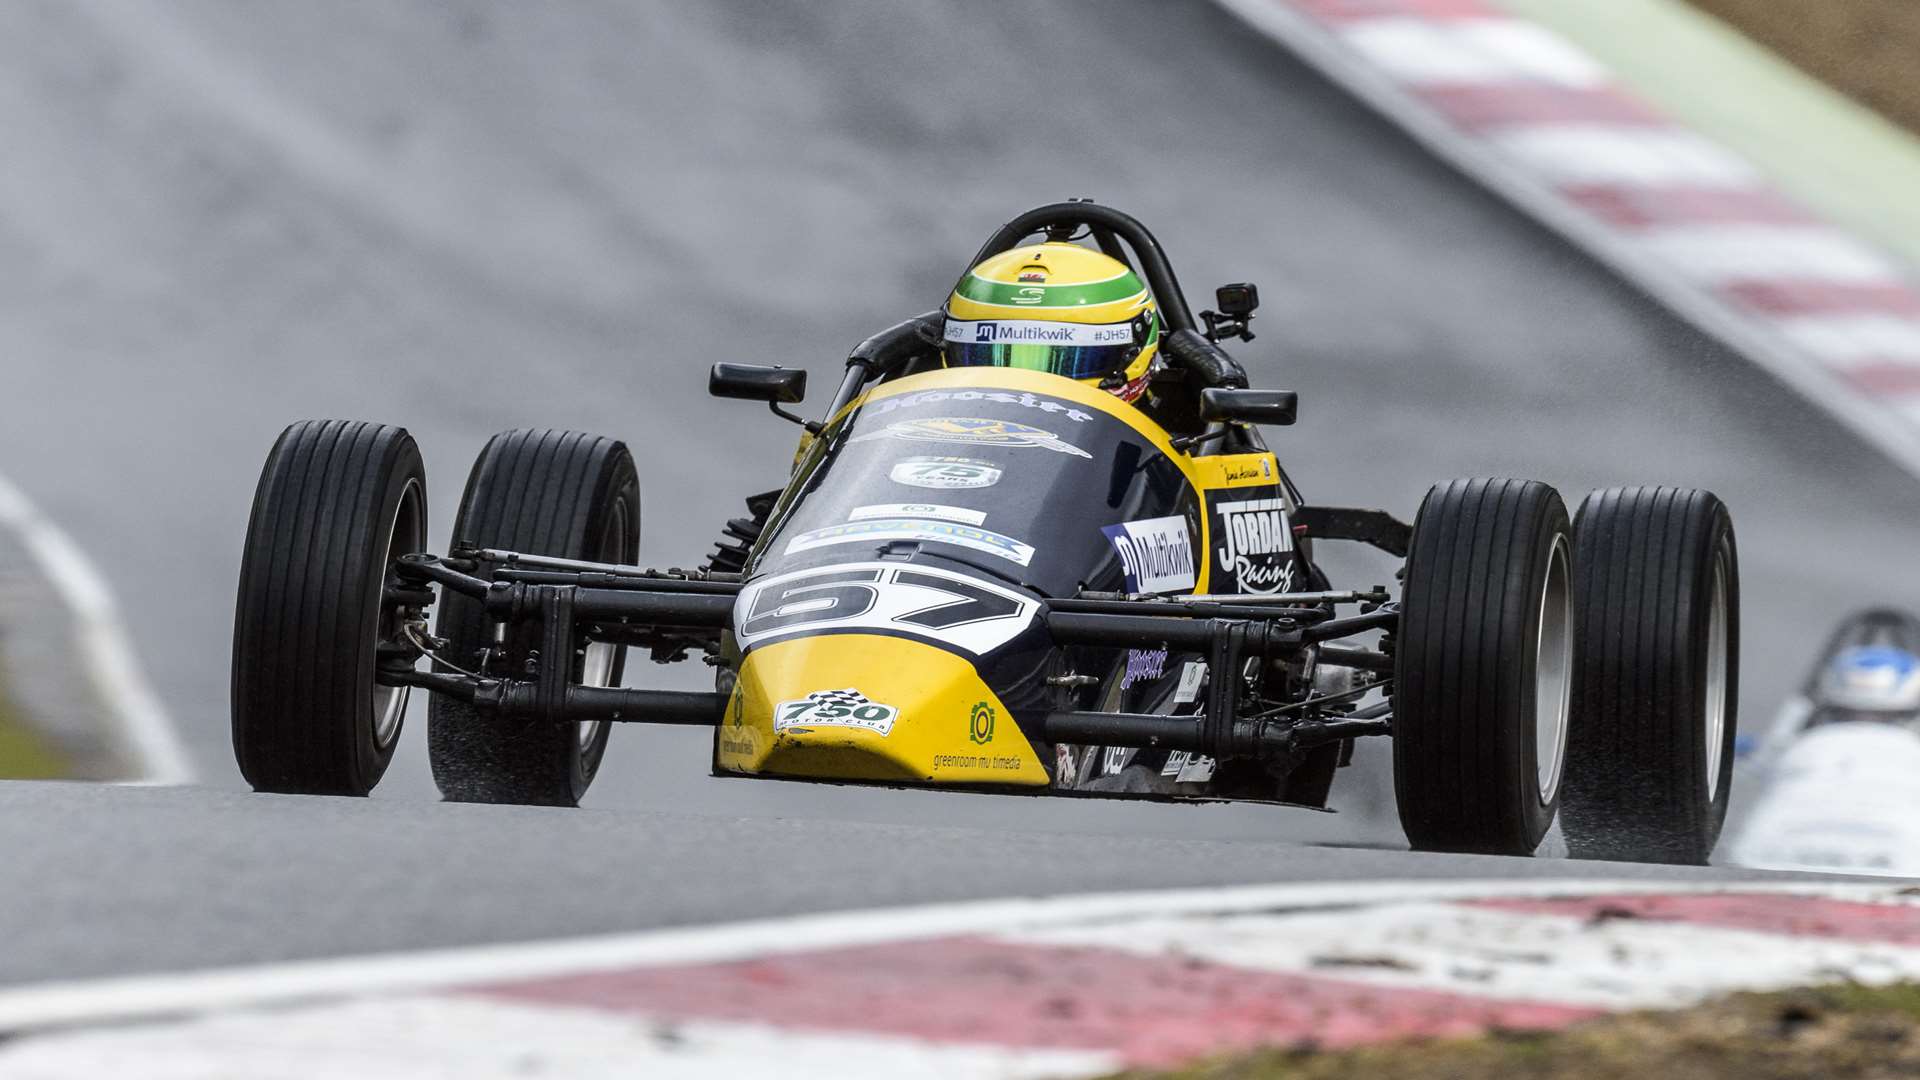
(538, 492)
(1656, 679)
(1482, 663)
(337, 502)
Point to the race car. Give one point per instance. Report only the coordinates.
(1835, 773)
(1006, 562)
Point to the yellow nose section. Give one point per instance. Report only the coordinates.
(868, 707)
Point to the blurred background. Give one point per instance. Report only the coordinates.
(218, 216)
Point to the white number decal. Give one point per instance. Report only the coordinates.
(967, 613)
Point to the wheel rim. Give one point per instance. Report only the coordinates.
(407, 535)
(1717, 657)
(596, 666)
(1553, 672)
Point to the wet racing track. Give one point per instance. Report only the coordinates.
(226, 216)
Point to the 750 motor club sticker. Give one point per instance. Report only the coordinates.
(847, 708)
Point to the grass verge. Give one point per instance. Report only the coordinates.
(1866, 49)
(24, 753)
(1831, 1032)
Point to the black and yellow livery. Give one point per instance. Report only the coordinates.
(1070, 463)
(1035, 544)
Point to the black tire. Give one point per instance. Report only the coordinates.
(1480, 667)
(1656, 676)
(560, 493)
(336, 502)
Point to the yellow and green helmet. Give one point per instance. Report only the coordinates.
(1059, 308)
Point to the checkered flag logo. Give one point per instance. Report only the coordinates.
(848, 697)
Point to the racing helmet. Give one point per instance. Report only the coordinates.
(1870, 682)
(1056, 307)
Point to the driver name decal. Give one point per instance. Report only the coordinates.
(1156, 554)
(976, 430)
(944, 473)
(1256, 544)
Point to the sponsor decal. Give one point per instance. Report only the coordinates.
(974, 430)
(1066, 768)
(965, 613)
(1033, 276)
(921, 531)
(1003, 397)
(1156, 554)
(1143, 666)
(1256, 544)
(944, 473)
(980, 724)
(1188, 768)
(847, 708)
(1038, 332)
(1117, 758)
(919, 510)
(1197, 770)
(1007, 762)
(1192, 676)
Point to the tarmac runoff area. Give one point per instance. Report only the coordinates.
(1070, 987)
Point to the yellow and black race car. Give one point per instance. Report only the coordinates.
(1002, 575)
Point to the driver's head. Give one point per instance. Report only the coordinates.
(1060, 308)
(1870, 682)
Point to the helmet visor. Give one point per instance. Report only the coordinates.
(1074, 350)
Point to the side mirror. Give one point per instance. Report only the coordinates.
(757, 382)
(1249, 406)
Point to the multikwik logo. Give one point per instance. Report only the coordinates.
(1037, 332)
(1156, 555)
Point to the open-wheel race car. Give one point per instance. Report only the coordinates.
(1024, 551)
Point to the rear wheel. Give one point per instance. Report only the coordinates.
(337, 502)
(1482, 663)
(1656, 676)
(538, 492)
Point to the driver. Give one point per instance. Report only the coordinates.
(1056, 307)
(1870, 682)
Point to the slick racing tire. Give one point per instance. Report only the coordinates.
(1482, 667)
(1656, 676)
(538, 492)
(337, 502)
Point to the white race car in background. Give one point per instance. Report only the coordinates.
(1836, 772)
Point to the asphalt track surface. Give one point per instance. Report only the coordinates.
(227, 216)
